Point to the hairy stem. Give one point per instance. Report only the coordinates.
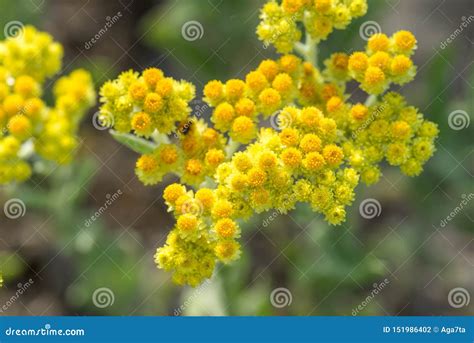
(371, 99)
(137, 144)
(232, 147)
(308, 50)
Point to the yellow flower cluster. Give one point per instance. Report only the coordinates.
(28, 125)
(391, 130)
(205, 232)
(198, 151)
(265, 90)
(31, 53)
(298, 164)
(315, 88)
(145, 103)
(150, 107)
(317, 148)
(385, 61)
(280, 22)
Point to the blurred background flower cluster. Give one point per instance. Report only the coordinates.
(84, 239)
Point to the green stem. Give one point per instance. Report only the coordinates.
(308, 50)
(208, 183)
(371, 99)
(137, 144)
(160, 138)
(232, 147)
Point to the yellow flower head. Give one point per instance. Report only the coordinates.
(256, 81)
(310, 142)
(226, 228)
(173, 192)
(137, 91)
(291, 157)
(243, 129)
(187, 223)
(151, 76)
(20, 127)
(214, 91)
(141, 123)
(404, 42)
(153, 103)
(358, 62)
(227, 251)
(234, 89)
(256, 177)
(378, 42)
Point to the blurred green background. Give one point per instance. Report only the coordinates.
(323, 270)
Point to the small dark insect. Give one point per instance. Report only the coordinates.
(185, 127)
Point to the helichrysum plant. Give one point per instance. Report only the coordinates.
(33, 131)
(319, 147)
